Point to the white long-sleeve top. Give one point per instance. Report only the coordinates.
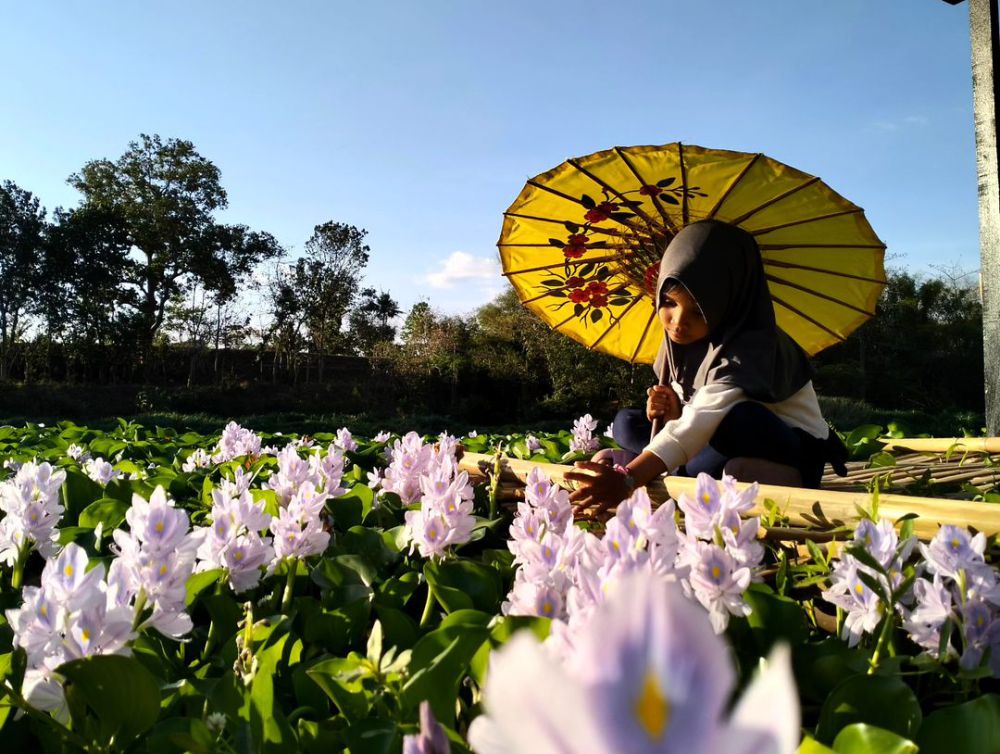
(682, 438)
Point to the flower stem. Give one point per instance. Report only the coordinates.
(17, 576)
(887, 626)
(428, 607)
(286, 599)
(140, 605)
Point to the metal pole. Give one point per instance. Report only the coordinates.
(985, 33)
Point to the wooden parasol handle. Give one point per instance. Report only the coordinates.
(658, 421)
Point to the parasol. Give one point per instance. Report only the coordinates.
(582, 243)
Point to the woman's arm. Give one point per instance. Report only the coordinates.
(601, 487)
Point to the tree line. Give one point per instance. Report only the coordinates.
(142, 275)
(100, 291)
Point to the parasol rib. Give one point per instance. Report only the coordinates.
(684, 184)
(610, 189)
(729, 189)
(787, 246)
(807, 318)
(612, 325)
(567, 197)
(642, 338)
(656, 201)
(793, 223)
(793, 266)
(553, 266)
(606, 231)
(595, 245)
(817, 294)
(774, 200)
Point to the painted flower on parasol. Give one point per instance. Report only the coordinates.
(582, 242)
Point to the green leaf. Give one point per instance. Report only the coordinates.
(969, 727)
(199, 582)
(351, 508)
(440, 661)
(78, 491)
(868, 739)
(341, 678)
(775, 618)
(373, 736)
(883, 701)
(107, 510)
(118, 691)
(810, 745)
(461, 584)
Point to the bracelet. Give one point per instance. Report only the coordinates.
(629, 479)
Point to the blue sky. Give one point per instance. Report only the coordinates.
(420, 121)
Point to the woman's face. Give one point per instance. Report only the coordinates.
(681, 317)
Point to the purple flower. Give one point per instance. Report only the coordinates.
(718, 584)
(953, 550)
(583, 435)
(642, 675)
(431, 739)
(863, 607)
(933, 608)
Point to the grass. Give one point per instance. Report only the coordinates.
(843, 413)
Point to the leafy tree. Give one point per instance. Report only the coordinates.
(370, 319)
(22, 237)
(167, 194)
(86, 300)
(312, 297)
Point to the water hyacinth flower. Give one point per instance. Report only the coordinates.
(298, 528)
(431, 739)
(199, 459)
(643, 675)
(583, 435)
(532, 444)
(32, 507)
(234, 541)
(77, 453)
(382, 436)
(100, 471)
(154, 560)
(954, 550)
(236, 441)
(74, 613)
(345, 440)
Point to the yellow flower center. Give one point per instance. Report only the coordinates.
(547, 608)
(652, 709)
(716, 572)
(85, 634)
(954, 543)
(238, 556)
(163, 569)
(706, 499)
(859, 589)
(159, 527)
(68, 570)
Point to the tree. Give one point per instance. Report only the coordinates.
(22, 236)
(87, 299)
(315, 294)
(167, 193)
(370, 320)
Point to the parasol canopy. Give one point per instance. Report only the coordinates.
(582, 243)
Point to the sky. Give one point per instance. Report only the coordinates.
(420, 121)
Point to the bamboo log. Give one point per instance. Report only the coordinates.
(822, 508)
(944, 444)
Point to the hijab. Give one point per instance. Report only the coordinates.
(720, 265)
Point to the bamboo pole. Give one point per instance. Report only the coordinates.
(803, 507)
(944, 444)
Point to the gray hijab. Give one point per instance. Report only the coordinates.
(720, 265)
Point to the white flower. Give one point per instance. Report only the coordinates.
(100, 471)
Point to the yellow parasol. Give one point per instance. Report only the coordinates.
(582, 243)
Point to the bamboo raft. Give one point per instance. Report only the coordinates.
(815, 514)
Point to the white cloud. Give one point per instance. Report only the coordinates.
(461, 266)
(904, 122)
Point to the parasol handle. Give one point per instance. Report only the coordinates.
(658, 420)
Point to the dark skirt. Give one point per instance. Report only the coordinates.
(749, 430)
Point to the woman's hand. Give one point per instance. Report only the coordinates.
(599, 487)
(662, 403)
